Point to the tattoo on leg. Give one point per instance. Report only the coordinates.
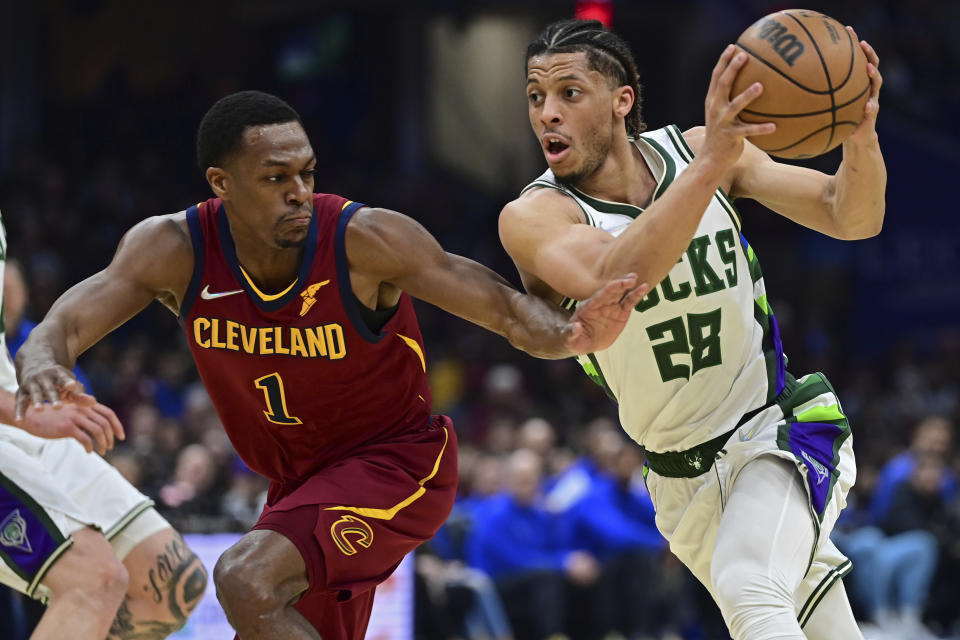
(178, 580)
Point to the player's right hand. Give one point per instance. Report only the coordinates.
(723, 138)
(48, 385)
(92, 424)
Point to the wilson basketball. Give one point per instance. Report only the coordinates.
(814, 77)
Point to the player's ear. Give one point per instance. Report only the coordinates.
(623, 98)
(217, 179)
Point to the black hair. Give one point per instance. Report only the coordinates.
(221, 129)
(606, 52)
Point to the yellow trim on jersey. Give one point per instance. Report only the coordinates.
(266, 296)
(387, 514)
(413, 344)
(346, 204)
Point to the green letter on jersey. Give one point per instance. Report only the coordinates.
(649, 301)
(726, 244)
(705, 278)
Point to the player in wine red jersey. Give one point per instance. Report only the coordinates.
(296, 308)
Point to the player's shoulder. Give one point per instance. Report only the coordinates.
(164, 237)
(541, 203)
(330, 202)
(694, 137)
(375, 235)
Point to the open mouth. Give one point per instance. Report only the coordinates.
(555, 147)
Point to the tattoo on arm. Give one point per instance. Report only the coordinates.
(174, 585)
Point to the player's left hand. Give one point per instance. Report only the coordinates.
(90, 423)
(866, 130)
(599, 320)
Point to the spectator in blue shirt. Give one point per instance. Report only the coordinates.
(932, 437)
(16, 295)
(527, 552)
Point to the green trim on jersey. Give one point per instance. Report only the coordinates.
(629, 210)
(550, 185)
(592, 369)
(669, 168)
(606, 206)
(680, 143)
(729, 207)
(676, 137)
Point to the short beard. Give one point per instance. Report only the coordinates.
(597, 152)
(291, 244)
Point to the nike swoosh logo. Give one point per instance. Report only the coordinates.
(206, 295)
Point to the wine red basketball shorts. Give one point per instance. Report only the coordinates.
(354, 521)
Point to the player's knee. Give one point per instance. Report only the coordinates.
(750, 597)
(89, 570)
(240, 586)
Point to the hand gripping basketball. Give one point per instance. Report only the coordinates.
(725, 131)
(817, 80)
(866, 131)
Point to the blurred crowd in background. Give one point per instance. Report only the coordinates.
(553, 534)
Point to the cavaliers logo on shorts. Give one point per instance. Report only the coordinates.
(351, 530)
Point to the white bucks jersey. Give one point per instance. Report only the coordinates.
(8, 377)
(702, 348)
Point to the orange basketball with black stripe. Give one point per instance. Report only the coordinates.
(815, 82)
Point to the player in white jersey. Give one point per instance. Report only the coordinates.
(75, 533)
(748, 467)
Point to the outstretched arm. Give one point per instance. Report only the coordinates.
(386, 248)
(849, 205)
(540, 232)
(154, 260)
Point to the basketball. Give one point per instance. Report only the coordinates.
(814, 77)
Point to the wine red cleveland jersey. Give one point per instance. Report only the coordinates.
(298, 378)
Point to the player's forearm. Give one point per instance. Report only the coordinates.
(47, 344)
(654, 242)
(536, 326)
(859, 186)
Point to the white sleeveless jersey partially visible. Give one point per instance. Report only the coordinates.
(8, 376)
(701, 349)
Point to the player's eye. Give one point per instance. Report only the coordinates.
(572, 92)
(533, 97)
(274, 178)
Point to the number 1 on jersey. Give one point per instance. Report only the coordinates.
(276, 412)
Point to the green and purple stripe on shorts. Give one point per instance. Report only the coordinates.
(29, 540)
(813, 430)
